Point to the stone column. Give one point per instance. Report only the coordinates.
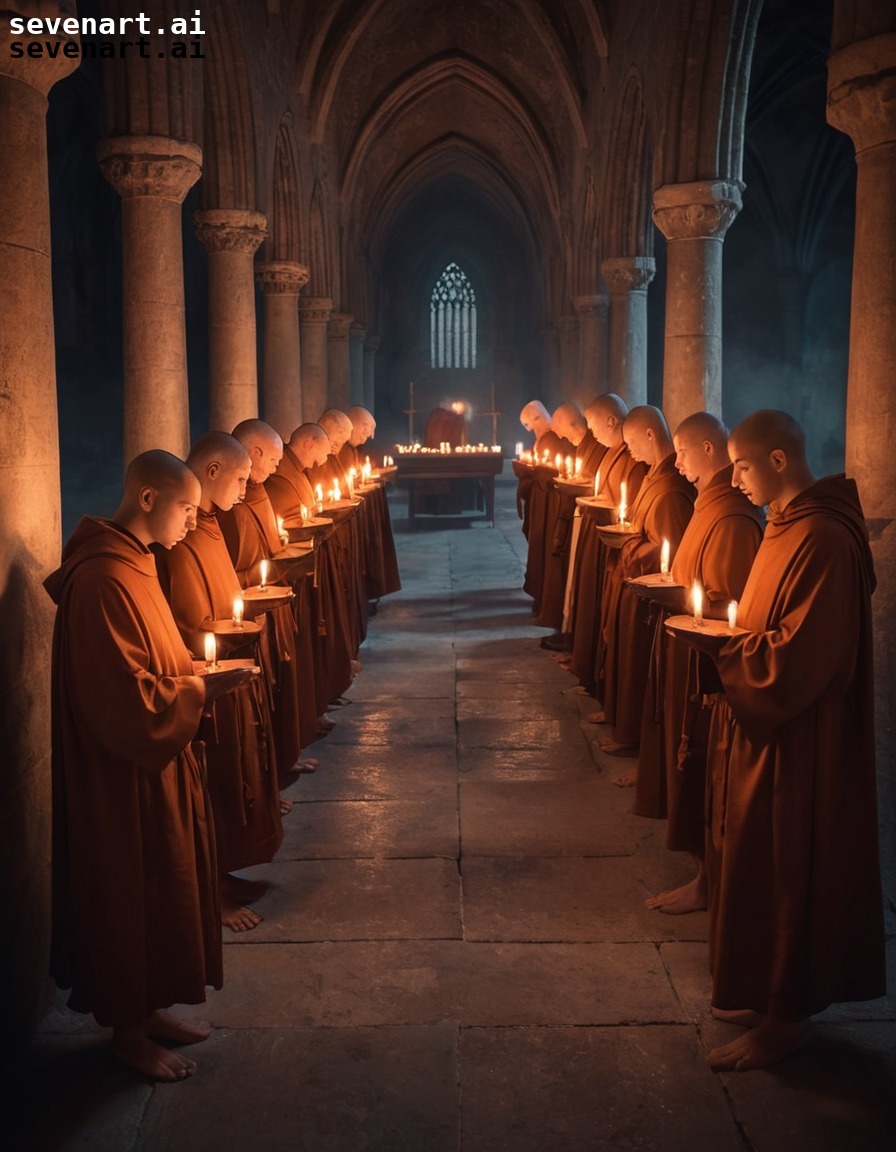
(29, 529)
(356, 335)
(592, 377)
(862, 103)
(281, 282)
(694, 219)
(371, 347)
(568, 334)
(627, 278)
(314, 313)
(153, 174)
(338, 359)
(231, 237)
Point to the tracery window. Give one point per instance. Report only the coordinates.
(452, 321)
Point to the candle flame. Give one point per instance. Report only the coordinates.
(597, 482)
(664, 557)
(697, 601)
(211, 650)
(732, 614)
(264, 573)
(238, 608)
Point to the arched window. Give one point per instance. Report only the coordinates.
(452, 321)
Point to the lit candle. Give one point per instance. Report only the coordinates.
(352, 473)
(732, 614)
(623, 506)
(386, 460)
(264, 573)
(697, 600)
(284, 535)
(568, 467)
(304, 511)
(237, 610)
(518, 448)
(664, 557)
(211, 651)
(558, 462)
(319, 493)
(578, 468)
(597, 482)
(337, 492)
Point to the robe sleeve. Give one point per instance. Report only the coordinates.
(728, 557)
(773, 676)
(127, 709)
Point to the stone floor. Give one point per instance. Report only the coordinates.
(456, 952)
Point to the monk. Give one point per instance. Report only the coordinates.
(200, 583)
(716, 552)
(605, 416)
(136, 921)
(569, 423)
(537, 493)
(290, 490)
(535, 418)
(795, 904)
(251, 533)
(382, 561)
(660, 511)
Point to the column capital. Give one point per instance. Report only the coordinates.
(628, 273)
(150, 166)
(281, 277)
(358, 330)
(339, 325)
(315, 309)
(41, 72)
(702, 210)
(862, 91)
(594, 305)
(230, 230)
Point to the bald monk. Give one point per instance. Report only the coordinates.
(251, 533)
(136, 920)
(382, 561)
(569, 423)
(539, 501)
(792, 857)
(604, 416)
(660, 511)
(290, 489)
(716, 551)
(200, 583)
(535, 418)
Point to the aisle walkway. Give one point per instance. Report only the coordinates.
(456, 953)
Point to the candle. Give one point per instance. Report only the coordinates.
(304, 511)
(319, 493)
(578, 468)
(697, 600)
(623, 505)
(518, 449)
(337, 491)
(352, 473)
(211, 651)
(264, 573)
(568, 467)
(284, 535)
(664, 557)
(597, 482)
(237, 610)
(558, 462)
(732, 614)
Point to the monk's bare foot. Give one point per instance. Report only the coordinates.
(614, 748)
(596, 717)
(163, 1026)
(766, 1044)
(132, 1047)
(689, 897)
(237, 918)
(244, 891)
(626, 779)
(307, 764)
(285, 805)
(743, 1017)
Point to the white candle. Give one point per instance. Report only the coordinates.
(352, 474)
(264, 573)
(664, 557)
(518, 449)
(319, 493)
(578, 468)
(597, 482)
(697, 600)
(304, 512)
(238, 608)
(211, 651)
(284, 535)
(732, 614)
(558, 462)
(337, 492)
(568, 467)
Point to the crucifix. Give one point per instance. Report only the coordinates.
(410, 412)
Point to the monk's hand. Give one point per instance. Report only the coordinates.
(220, 683)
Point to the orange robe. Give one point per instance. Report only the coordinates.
(542, 507)
(289, 489)
(548, 442)
(717, 550)
(347, 547)
(250, 532)
(136, 919)
(660, 511)
(616, 467)
(792, 858)
(382, 561)
(200, 583)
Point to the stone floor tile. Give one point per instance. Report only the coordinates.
(404, 731)
(521, 764)
(377, 773)
(416, 826)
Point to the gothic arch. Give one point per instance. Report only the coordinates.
(626, 228)
(230, 135)
(285, 236)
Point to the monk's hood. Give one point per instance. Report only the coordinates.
(91, 540)
(835, 496)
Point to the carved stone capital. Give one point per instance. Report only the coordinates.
(150, 166)
(358, 331)
(862, 91)
(628, 273)
(703, 210)
(591, 306)
(315, 309)
(339, 326)
(38, 72)
(230, 230)
(281, 277)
